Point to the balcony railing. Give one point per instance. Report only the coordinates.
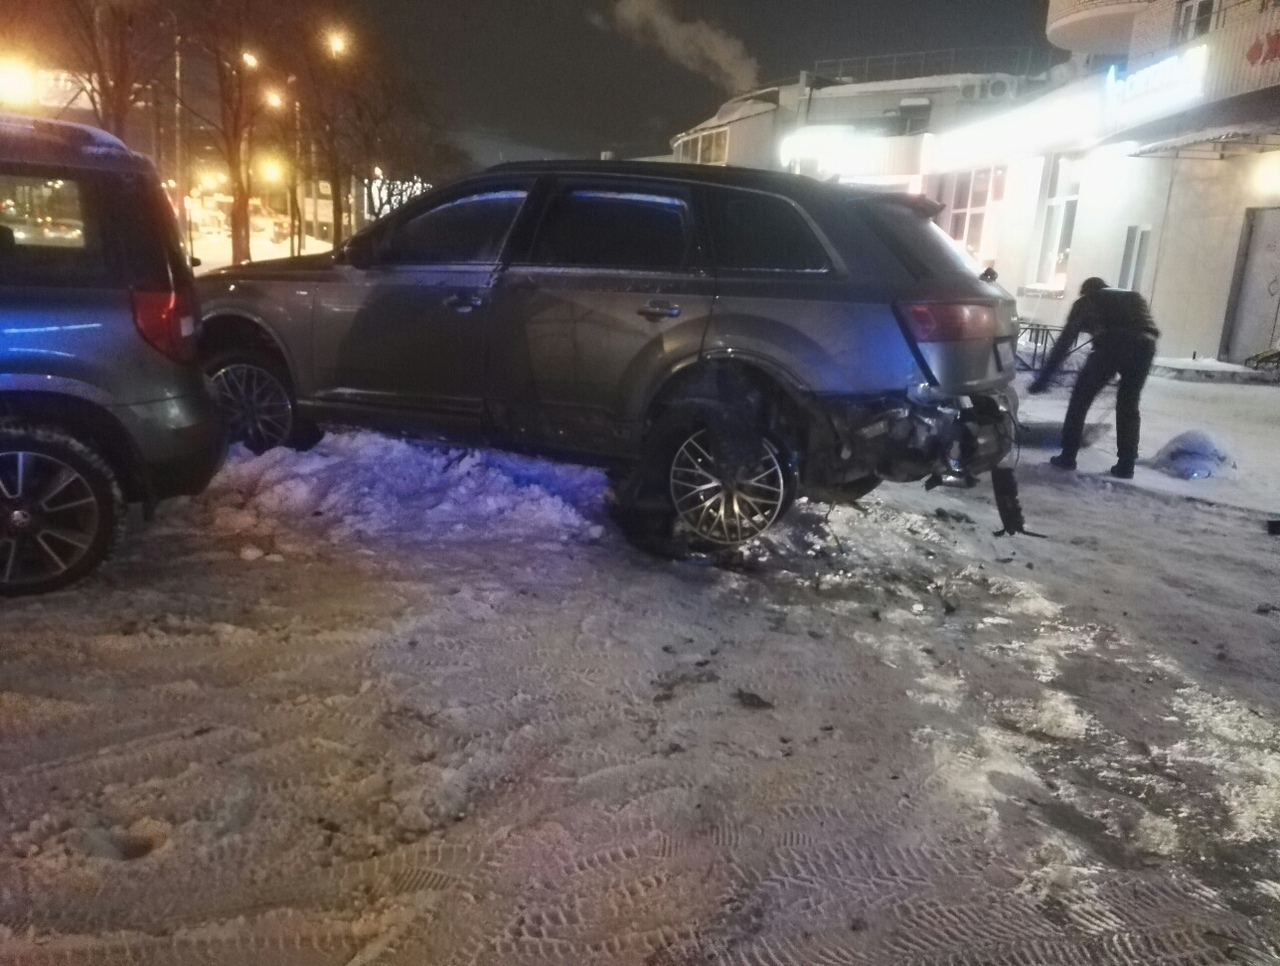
(1022, 61)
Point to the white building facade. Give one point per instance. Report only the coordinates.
(1162, 176)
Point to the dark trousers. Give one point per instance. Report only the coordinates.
(1129, 357)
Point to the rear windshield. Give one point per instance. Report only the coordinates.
(925, 250)
(50, 229)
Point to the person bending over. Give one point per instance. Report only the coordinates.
(1124, 344)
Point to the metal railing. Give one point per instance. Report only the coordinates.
(1021, 61)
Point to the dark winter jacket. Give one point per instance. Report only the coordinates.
(1106, 315)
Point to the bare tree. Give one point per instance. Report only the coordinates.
(119, 48)
(236, 37)
(391, 138)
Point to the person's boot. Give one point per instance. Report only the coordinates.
(1123, 470)
(1063, 462)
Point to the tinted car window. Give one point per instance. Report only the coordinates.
(614, 229)
(926, 250)
(761, 233)
(466, 230)
(50, 232)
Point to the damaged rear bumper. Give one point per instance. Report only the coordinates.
(917, 436)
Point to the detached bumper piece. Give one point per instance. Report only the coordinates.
(948, 442)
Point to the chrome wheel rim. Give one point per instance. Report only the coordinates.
(726, 511)
(257, 404)
(49, 518)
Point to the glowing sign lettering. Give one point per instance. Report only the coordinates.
(1156, 91)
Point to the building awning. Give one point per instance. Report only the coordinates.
(1252, 115)
(1260, 136)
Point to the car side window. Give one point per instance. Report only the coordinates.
(620, 229)
(50, 233)
(754, 232)
(467, 230)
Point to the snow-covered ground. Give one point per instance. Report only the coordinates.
(1244, 420)
(385, 703)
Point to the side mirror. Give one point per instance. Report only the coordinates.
(360, 252)
(196, 262)
(990, 275)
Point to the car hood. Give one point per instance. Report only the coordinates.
(273, 268)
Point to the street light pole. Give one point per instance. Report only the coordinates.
(180, 173)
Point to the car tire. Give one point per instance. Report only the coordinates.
(689, 450)
(62, 511)
(256, 393)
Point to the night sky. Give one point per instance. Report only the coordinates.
(575, 77)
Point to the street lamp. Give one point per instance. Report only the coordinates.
(250, 60)
(275, 100)
(337, 42)
(18, 83)
(272, 171)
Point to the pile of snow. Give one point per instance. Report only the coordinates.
(360, 484)
(1193, 456)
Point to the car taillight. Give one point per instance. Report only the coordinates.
(949, 321)
(167, 320)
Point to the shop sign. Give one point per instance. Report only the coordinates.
(1156, 91)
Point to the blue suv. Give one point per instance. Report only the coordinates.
(102, 403)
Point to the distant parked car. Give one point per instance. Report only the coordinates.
(101, 400)
(732, 337)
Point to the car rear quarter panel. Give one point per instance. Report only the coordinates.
(828, 337)
(85, 338)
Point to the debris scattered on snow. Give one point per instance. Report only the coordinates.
(749, 699)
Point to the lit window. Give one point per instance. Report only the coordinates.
(1059, 223)
(1134, 263)
(711, 147)
(976, 195)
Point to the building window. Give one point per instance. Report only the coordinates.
(710, 147)
(1195, 19)
(1136, 244)
(973, 202)
(1059, 223)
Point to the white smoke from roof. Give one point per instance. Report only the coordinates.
(694, 44)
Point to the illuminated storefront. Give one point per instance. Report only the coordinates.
(1163, 177)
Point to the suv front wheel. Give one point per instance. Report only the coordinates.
(61, 510)
(255, 393)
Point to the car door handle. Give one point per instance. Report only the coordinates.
(657, 310)
(463, 303)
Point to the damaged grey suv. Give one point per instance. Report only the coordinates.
(728, 338)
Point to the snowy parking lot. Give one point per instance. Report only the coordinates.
(384, 703)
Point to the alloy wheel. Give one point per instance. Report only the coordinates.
(49, 518)
(256, 402)
(722, 510)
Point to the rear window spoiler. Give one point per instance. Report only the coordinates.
(921, 205)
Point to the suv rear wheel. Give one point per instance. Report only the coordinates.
(255, 392)
(61, 510)
(721, 478)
